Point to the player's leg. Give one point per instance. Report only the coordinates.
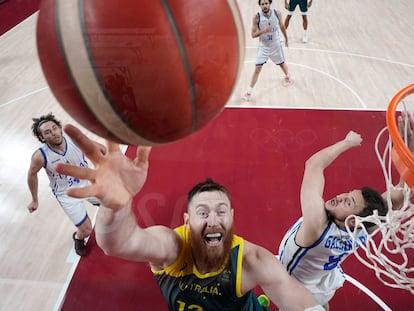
(305, 28)
(76, 211)
(246, 96)
(84, 229)
(278, 58)
(286, 80)
(287, 19)
(324, 298)
(255, 77)
(303, 5)
(291, 8)
(261, 59)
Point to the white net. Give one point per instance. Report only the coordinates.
(389, 249)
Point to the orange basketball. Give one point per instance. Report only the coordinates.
(141, 72)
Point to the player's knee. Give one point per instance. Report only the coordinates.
(258, 69)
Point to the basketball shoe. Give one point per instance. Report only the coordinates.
(286, 81)
(305, 38)
(246, 96)
(80, 246)
(264, 301)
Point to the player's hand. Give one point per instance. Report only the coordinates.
(353, 138)
(32, 207)
(115, 179)
(267, 29)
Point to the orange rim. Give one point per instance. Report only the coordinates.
(402, 157)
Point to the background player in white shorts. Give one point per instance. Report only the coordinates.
(60, 149)
(267, 25)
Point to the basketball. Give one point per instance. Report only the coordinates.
(141, 73)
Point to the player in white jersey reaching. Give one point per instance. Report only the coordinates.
(60, 149)
(267, 25)
(315, 246)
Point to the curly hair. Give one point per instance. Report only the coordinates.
(37, 122)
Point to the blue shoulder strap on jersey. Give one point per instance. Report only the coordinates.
(44, 156)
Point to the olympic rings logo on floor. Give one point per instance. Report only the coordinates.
(282, 140)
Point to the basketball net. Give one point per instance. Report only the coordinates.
(389, 249)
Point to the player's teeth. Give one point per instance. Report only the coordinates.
(213, 235)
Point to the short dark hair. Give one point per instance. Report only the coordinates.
(260, 1)
(208, 185)
(373, 201)
(37, 122)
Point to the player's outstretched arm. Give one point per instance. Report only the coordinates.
(262, 268)
(115, 180)
(36, 164)
(313, 184)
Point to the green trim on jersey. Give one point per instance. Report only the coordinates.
(185, 288)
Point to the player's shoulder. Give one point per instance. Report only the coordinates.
(38, 158)
(253, 250)
(39, 152)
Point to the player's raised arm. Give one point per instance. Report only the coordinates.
(262, 268)
(116, 179)
(313, 184)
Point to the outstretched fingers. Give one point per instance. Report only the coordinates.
(90, 148)
(82, 192)
(112, 147)
(142, 155)
(76, 171)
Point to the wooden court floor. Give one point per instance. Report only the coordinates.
(359, 54)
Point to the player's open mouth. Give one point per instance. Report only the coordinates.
(213, 238)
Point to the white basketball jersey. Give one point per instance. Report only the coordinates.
(317, 267)
(73, 155)
(269, 39)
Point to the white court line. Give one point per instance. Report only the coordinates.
(23, 96)
(362, 287)
(346, 54)
(354, 55)
(30, 283)
(368, 292)
(362, 103)
(364, 106)
(335, 79)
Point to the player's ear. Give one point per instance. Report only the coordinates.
(186, 219)
(351, 222)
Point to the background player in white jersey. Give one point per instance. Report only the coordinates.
(59, 149)
(303, 6)
(313, 248)
(267, 25)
